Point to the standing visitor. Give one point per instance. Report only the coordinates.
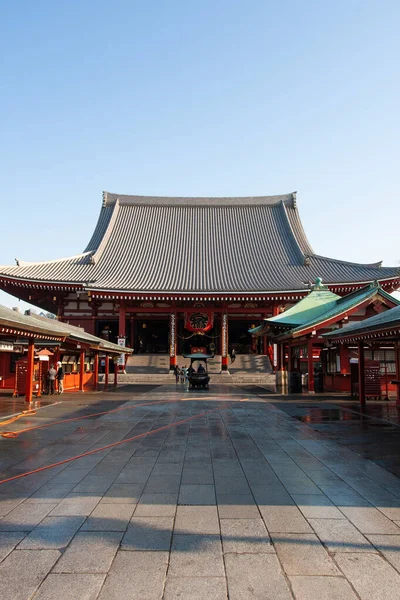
(52, 379)
(60, 378)
(233, 355)
(183, 374)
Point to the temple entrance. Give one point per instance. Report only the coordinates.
(152, 336)
(240, 339)
(187, 340)
(107, 330)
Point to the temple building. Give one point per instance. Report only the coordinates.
(170, 275)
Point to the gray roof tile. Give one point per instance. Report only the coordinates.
(227, 245)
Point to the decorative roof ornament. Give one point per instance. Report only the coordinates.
(318, 285)
(307, 260)
(294, 196)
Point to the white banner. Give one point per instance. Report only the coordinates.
(121, 358)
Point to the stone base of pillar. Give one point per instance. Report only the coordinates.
(281, 378)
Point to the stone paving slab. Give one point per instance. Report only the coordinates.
(76, 505)
(196, 556)
(148, 533)
(389, 546)
(197, 494)
(8, 541)
(109, 517)
(340, 535)
(136, 576)
(303, 554)
(89, 552)
(22, 572)
(52, 533)
(197, 520)
(70, 587)
(248, 536)
(321, 588)
(195, 588)
(190, 512)
(369, 520)
(371, 576)
(255, 577)
(25, 517)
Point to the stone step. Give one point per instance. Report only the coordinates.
(215, 378)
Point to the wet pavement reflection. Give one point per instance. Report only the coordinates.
(373, 432)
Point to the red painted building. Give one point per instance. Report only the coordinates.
(169, 274)
(300, 335)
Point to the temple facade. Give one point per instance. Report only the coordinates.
(169, 275)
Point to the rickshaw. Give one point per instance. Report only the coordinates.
(198, 380)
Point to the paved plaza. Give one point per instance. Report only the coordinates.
(221, 494)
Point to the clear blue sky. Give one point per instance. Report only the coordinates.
(213, 98)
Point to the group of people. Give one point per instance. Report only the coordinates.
(182, 374)
(52, 376)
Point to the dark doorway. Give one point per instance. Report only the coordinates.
(107, 330)
(152, 336)
(240, 339)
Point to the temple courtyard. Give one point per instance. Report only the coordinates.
(158, 492)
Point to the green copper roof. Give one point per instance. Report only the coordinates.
(318, 301)
(318, 307)
(343, 305)
(385, 320)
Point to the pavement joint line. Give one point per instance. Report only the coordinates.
(141, 435)
(120, 408)
(36, 409)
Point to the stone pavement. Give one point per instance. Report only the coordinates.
(227, 496)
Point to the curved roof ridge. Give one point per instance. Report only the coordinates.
(298, 229)
(110, 198)
(107, 232)
(377, 265)
(25, 263)
(292, 231)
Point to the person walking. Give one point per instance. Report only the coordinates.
(60, 378)
(177, 373)
(52, 379)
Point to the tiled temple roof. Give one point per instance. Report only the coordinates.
(202, 245)
(38, 326)
(386, 320)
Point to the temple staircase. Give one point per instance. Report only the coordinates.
(154, 369)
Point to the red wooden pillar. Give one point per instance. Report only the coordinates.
(132, 339)
(81, 369)
(310, 367)
(397, 355)
(106, 370)
(282, 357)
(29, 370)
(344, 359)
(224, 341)
(290, 358)
(56, 360)
(96, 370)
(361, 374)
(172, 341)
(265, 342)
(122, 329)
(115, 372)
